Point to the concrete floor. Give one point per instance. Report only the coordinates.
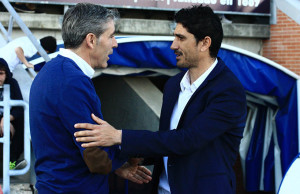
(20, 189)
(19, 184)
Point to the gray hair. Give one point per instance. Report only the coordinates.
(85, 18)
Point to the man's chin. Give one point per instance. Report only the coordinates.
(104, 65)
(179, 64)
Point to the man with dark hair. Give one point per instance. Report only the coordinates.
(202, 118)
(49, 44)
(16, 51)
(63, 94)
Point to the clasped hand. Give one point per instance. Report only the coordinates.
(135, 173)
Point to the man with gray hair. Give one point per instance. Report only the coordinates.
(63, 94)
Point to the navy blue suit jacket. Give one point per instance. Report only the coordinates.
(203, 148)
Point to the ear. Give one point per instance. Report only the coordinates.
(205, 43)
(91, 40)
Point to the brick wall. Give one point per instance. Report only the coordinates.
(283, 47)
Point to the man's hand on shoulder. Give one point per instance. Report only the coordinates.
(102, 134)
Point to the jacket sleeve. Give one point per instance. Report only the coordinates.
(226, 111)
(77, 100)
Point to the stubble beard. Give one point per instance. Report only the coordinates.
(183, 64)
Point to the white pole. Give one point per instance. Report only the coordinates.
(6, 136)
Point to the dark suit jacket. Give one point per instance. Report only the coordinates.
(203, 148)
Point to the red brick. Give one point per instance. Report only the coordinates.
(283, 47)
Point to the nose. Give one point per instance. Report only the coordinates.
(174, 45)
(115, 43)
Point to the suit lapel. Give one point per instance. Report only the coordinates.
(171, 93)
(218, 68)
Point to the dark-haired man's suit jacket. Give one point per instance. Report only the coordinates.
(203, 148)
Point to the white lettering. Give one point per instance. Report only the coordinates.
(250, 3)
(200, 1)
(136, 1)
(244, 3)
(226, 2)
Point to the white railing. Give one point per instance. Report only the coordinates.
(7, 103)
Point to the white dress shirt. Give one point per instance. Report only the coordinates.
(82, 64)
(186, 92)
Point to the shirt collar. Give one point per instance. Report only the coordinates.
(82, 64)
(185, 82)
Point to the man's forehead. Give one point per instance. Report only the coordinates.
(180, 30)
(110, 26)
(179, 27)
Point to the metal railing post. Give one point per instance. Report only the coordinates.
(5, 33)
(7, 103)
(6, 137)
(10, 26)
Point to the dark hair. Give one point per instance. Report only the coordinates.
(4, 67)
(201, 21)
(82, 19)
(49, 43)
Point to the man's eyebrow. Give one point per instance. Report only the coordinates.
(113, 32)
(179, 35)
